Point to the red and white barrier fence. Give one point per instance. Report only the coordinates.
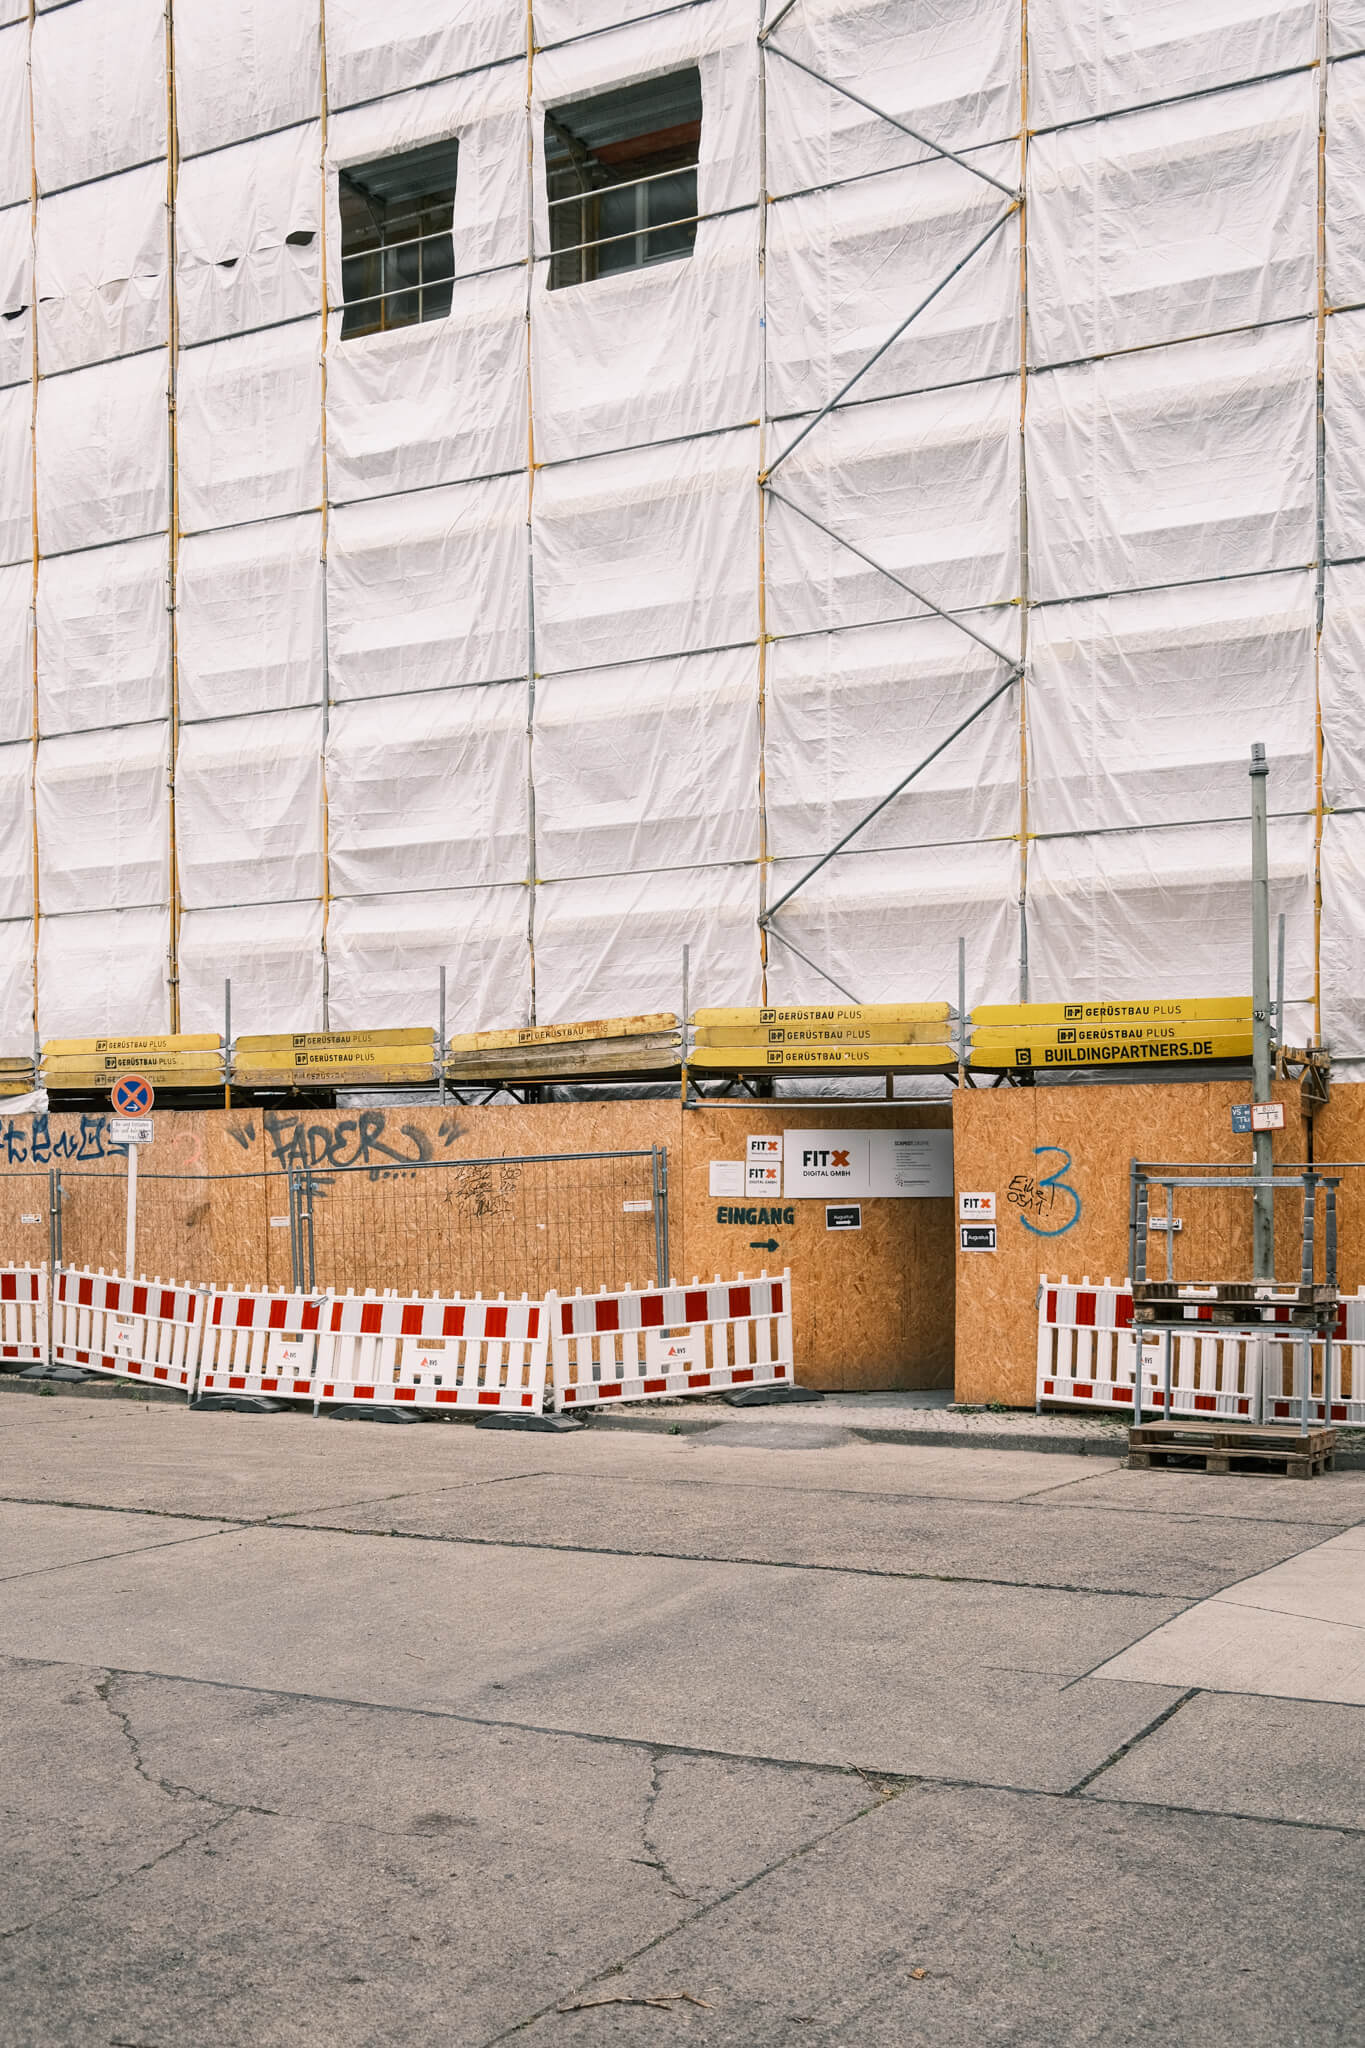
(439, 1353)
(652, 1343)
(23, 1315)
(1284, 1369)
(134, 1329)
(431, 1353)
(260, 1343)
(1089, 1349)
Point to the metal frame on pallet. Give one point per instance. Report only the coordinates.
(1304, 1309)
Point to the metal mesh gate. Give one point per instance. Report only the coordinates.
(471, 1226)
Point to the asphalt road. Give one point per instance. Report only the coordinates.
(350, 1734)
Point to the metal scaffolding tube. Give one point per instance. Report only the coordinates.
(904, 783)
(890, 341)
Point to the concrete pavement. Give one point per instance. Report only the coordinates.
(383, 1735)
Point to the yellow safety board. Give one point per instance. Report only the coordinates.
(876, 1059)
(102, 1079)
(996, 1035)
(333, 1041)
(825, 1034)
(833, 1020)
(329, 1077)
(131, 1051)
(661, 1051)
(19, 1063)
(149, 1063)
(1140, 1052)
(564, 1034)
(1169, 1008)
(339, 1059)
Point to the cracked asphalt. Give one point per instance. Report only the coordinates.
(433, 1735)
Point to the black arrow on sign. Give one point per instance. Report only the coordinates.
(762, 1244)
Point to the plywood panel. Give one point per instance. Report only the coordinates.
(1002, 1143)
(874, 1307)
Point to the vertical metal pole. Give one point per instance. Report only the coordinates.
(1132, 1221)
(227, 1044)
(1166, 1406)
(1263, 1200)
(308, 1229)
(659, 1165)
(130, 1231)
(296, 1286)
(1279, 980)
(441, 1044)
(685, 1019)
(961, 1007)
(53, 1235)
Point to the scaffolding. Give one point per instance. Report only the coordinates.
(914, 560)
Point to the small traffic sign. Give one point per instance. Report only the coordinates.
(125, 1130)
(132, 1095)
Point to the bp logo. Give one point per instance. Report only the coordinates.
(1023, 1055)
(766, 1016)
(1073, 1009)
(1065, 1037)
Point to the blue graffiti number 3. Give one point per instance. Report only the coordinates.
(1063, 1186)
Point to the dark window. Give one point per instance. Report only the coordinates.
(621, 177)
(397, 255)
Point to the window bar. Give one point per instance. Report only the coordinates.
(622, 185)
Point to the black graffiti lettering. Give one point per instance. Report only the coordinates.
(243, 1134)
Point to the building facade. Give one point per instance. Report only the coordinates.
(513, 490)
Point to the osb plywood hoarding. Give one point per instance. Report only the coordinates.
(1057, 1161)
(391, 1208)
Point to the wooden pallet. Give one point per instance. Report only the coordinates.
(1232, 1447)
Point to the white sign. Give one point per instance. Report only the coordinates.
(667, 1351)
(30, 1219)
(860, 1163)
(975, 1208)
(976, 1237)
(637, 1208)
(279, 1223)
(1267, 1116)
(760, 1149)
(130, 1130)
(763, 1177)
(727, 1178)
(911, 1162)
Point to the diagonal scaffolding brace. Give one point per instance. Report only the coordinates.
(1010, 680)
(842, 393)
(892, 120)
(952, 618)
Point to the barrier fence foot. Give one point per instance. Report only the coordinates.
(241, 1404)
(541, 1423)
(768, 1396)
(354, 1412)
(72, 1373)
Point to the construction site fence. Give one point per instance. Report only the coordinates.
(532, 1223)
(443, 1353)
(1092, 1356)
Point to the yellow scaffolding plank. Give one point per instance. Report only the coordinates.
(1166, 1008)
(876, 1059)
(131, 1050)
(333, 1041)
(885, 1033)
(1141, 1052)
(836, 1019)
(565, 1034)
(338, 1059)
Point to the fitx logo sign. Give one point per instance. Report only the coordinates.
(833, 1161)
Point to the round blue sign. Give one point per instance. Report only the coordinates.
(132, 1096)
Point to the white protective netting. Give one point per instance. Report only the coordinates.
(479, 645)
